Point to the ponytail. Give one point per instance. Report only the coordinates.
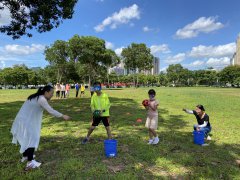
(40, 91)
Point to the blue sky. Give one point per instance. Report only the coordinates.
(195, 33)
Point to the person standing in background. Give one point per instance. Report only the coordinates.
(67, 90)
(82, 90)
(77, 89)
(58, 89)
(63, 91)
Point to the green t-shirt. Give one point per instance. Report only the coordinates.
(101, 103)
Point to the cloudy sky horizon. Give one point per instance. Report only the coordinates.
(197, 34)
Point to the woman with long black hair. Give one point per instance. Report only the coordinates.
(202, 120)
(26, 127)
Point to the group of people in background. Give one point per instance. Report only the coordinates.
(62, 90)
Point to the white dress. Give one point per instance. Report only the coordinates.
(26, 128)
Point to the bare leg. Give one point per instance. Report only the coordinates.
(90, 131)
(109, 132)
(153, 132)
(150, 133)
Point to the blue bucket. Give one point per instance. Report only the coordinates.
(110, 147)
(198, 137)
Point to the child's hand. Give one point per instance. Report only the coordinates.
(65, 117)
(198, 128)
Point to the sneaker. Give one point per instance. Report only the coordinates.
(150, 141)
(155, 140)
(32, 165)
(85, 140)
(209, 138)
(26, 158)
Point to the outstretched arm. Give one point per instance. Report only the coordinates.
(188, 111)
(44, 104)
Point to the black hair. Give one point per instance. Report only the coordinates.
(152, 92)
(40, 91)
(200, 107)
(97, 83)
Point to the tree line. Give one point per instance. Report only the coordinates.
(175, 75)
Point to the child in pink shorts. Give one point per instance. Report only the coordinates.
(152, 117)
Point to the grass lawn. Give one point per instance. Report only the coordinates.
(175, 157)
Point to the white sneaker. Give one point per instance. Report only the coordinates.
(209, 138)
(155, 140)
(32, 165)
(150, 141)
(26, 158)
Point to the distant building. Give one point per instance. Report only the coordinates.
(155, 69)
(156, 65)
(117, 70)
(235, 60)
(120, 70)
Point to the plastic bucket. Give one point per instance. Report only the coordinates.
(110, 147)
(198, 137)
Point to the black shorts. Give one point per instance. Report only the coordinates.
(82, 92)
(97, 120)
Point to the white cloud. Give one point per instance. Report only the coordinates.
(146, 29)
(218, 62)
(2, 65)
(5, 17)
(203, 24)
(175, 59)
(124, 16)
(162, 48)
(164, 69)
(213, 51)
(197, 63)
(24, 50)
(118, 51)
(109, 45)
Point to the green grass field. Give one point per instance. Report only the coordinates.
(175, 157)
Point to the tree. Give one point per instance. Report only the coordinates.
(236, 81)
(137, 57)
(91, 53)
(36, 77)
(43, 15)
(163, 81)
(57, 55)
(177, 75)
(18, 75)
(229, 74)
(7, 76)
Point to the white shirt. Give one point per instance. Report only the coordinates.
(62, 87)
(26, 127)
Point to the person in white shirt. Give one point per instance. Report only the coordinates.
(26, 127)
(63, 91)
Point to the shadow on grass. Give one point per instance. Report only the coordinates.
(63, 155)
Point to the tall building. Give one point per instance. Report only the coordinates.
(236, 56)
(155, 68)
(156, 65)
(120, 70)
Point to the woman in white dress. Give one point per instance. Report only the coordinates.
(26, 127)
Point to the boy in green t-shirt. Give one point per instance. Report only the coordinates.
(100, 106)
